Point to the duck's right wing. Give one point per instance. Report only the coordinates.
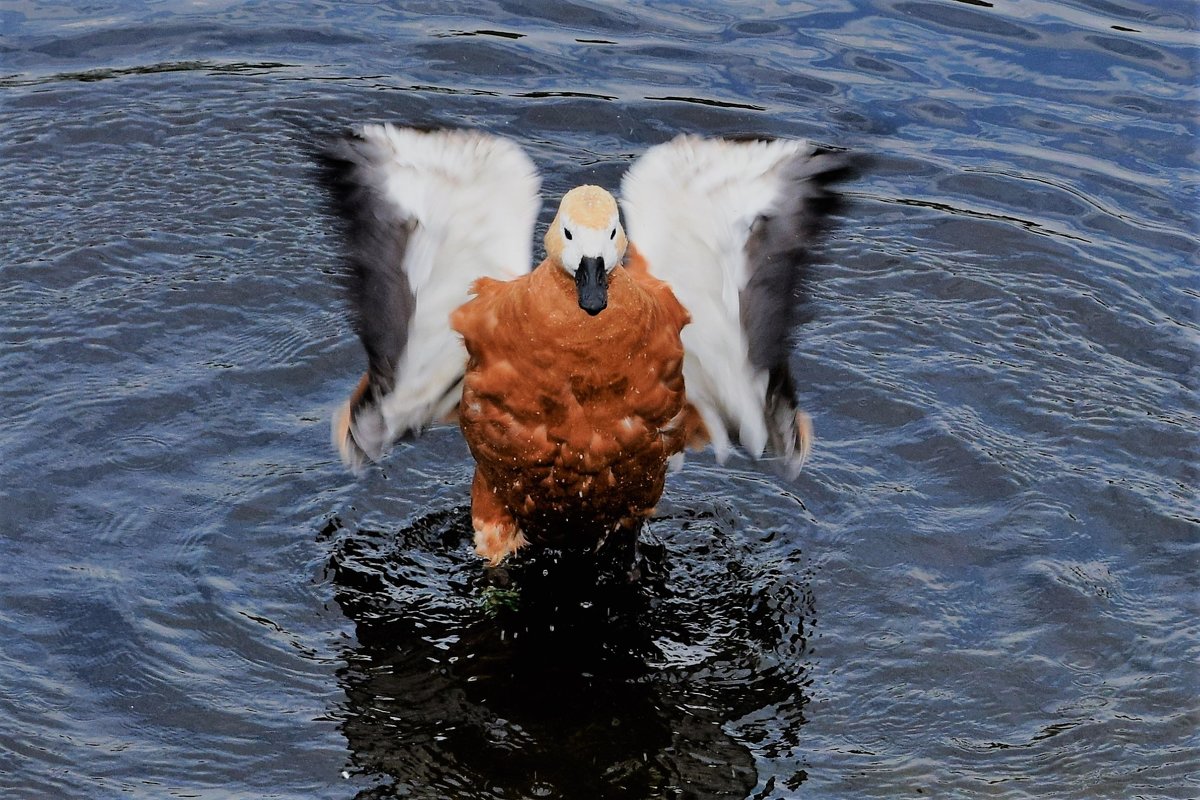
(426, 213)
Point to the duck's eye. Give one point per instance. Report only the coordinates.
(613, 235)
(567, 233)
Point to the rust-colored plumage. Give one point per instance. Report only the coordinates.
(571, 418)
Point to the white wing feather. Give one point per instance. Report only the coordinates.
(691, 207)
(475, 201)
(469, 202)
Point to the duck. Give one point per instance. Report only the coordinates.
(653, 325)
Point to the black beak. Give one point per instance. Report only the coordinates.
(592, 284)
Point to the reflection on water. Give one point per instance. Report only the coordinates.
(561, 675)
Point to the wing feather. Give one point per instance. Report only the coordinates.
(728, 225)
(426, 213)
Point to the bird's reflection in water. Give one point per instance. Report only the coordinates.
(547, 678)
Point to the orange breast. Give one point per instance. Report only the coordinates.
(571, 418)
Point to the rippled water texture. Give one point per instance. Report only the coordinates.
(983, 585)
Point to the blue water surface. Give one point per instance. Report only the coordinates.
(984, 583)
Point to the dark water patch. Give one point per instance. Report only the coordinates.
(757, 28)
(105, 43)
(89, 76)
(966, 21)
(575, 16)
(497, 34)
(582, 95)
(708, 102)
(468, 678)
(482, 56)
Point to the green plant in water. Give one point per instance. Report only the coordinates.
(495, 599)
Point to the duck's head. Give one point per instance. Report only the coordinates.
(586, 241)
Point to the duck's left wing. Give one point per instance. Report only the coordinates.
(727, 224)
(426, 213)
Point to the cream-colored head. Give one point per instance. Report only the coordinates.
(587, 225)
(587, 242)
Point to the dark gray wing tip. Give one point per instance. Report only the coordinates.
(780, 251)
(818, 174)
(350, 167)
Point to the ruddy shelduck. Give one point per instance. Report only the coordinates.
(577, 382)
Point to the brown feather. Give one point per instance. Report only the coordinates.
(571, 418)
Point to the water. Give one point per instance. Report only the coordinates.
(983, 585)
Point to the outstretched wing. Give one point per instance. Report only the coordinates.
(727, 224)
(426, 213)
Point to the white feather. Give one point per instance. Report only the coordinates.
(689, 206)
(474, 201)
